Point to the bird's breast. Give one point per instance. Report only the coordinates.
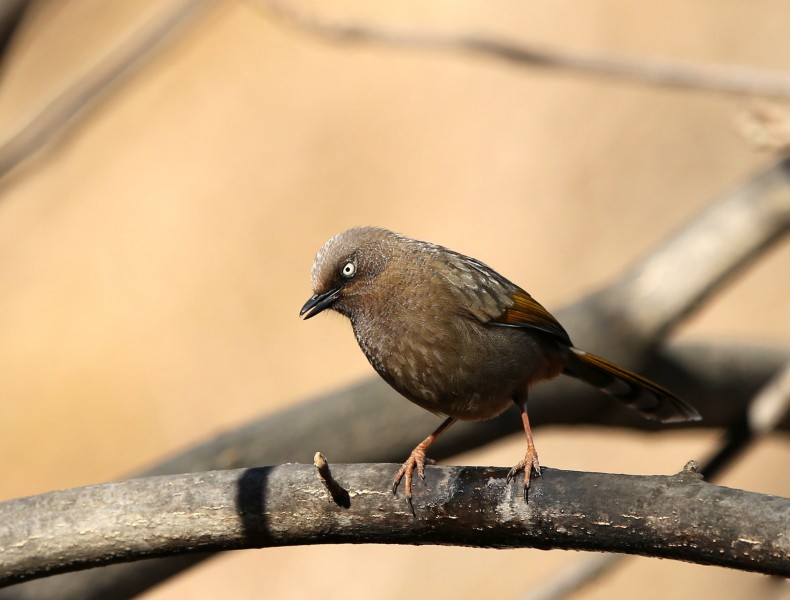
(450, 363)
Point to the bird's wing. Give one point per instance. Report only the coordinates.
(494, 299)
(528, 313)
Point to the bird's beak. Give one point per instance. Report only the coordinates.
(318, 302)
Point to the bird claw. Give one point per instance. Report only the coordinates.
(416, 461)
(528, 465)
(411, 506)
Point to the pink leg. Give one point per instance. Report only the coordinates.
(530, 462)
(417, 460)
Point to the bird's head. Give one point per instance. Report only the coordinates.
(345, 270)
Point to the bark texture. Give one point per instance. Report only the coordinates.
(679, 517)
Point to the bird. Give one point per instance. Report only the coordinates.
(455, 337)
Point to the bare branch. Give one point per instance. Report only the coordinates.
(12, 15)
(679, 517)
(771, 405)
(739, 80)
(712, 248)
(32, 134)
(573, 578)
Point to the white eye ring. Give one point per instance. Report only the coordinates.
(348, 269)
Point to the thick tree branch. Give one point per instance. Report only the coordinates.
(656, 294)
(677, 74)
(679, 517)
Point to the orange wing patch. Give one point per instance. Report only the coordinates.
(527, 312)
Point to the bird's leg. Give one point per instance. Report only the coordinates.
(530, 462)
(417, 460)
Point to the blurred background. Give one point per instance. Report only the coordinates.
(154, 256)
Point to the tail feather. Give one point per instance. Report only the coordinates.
(650, 399)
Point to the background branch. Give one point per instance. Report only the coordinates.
(12, 14)
(657, 294)
(35, 132)
(645, 304)
(678, 74)
(679, 517)
(770, 406)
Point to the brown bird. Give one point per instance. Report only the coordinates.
(455, 337)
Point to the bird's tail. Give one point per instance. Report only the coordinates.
(650, 399)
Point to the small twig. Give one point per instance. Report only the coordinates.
(336, 491)
(740, 80)
(691, 467)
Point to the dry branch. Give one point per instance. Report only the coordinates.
(686, 270)
(731, 79)
(679, 517)
(33, 133)
(12, 15)
(586, 570)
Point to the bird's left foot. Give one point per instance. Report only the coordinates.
(529, 465)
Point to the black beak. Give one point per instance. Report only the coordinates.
(319, 302)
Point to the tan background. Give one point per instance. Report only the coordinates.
(153, 261)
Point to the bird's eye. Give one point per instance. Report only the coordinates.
(348, 270)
